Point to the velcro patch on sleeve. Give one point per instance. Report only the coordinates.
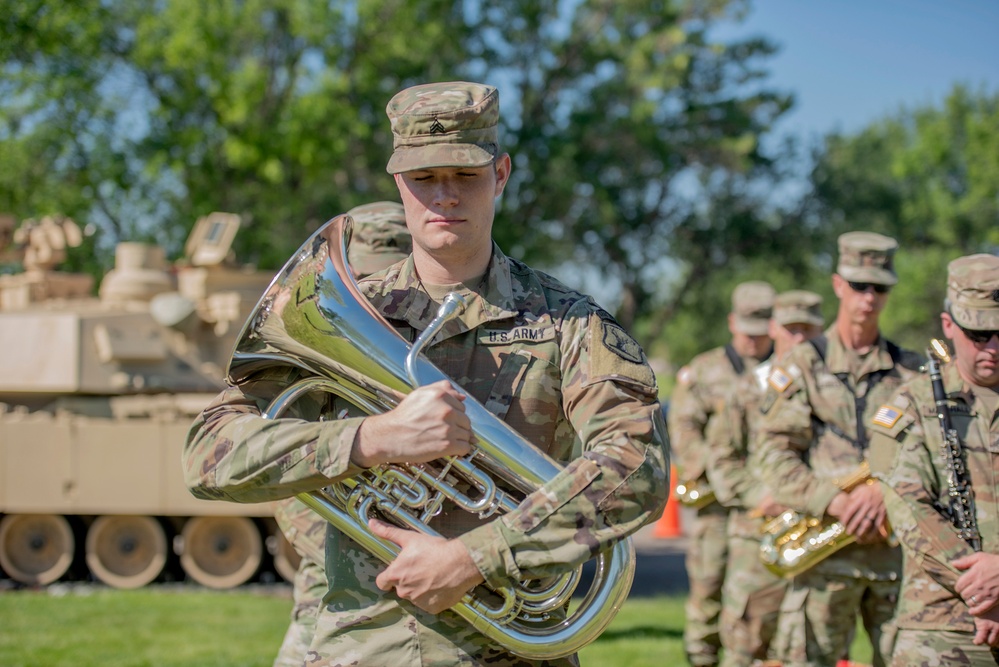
(620, 343)
(779, 379)
(886, 416)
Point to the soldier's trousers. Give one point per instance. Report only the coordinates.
(309, 588)
(940, 648)
(818, 618)
(707, 553)
(751, 600)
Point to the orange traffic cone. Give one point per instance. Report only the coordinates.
(668, 524)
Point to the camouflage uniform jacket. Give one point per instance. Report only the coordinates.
(540, 356)
(702, 386)
(733, 466)
(907, 455)
(808, 436)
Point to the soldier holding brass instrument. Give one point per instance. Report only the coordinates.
(700, 391)
(527, 359)
(751, 594)
(814, 431)
(935, 447)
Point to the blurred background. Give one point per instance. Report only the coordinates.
(663, 150)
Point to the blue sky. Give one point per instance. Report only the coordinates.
(851, 62)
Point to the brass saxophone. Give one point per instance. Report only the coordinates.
(793, 542)
(694, 493)
(314, 318)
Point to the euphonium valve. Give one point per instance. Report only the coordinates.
(313, 317)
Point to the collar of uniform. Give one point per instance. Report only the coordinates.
(957, 388)
(399, 296)
(838, 360)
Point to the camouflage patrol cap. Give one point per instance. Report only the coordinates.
(867, 257)
(752, 306)
(452, 124)
(380, 237)
(798, 307)
(973, 291)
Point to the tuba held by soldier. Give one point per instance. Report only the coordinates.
(793, 542)
(312, 317)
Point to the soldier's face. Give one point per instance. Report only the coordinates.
(749, 346)
(978, 363)
(860, 307)
(450, 210)
(787, 336)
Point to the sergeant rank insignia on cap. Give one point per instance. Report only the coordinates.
(886, 416)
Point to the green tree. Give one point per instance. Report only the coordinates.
(625, 119)
(928, 177)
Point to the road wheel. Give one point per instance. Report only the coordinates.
(220, 552)
(36, 548)
(126, 551)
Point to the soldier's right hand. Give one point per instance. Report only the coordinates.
(427, 424)
(862, 511)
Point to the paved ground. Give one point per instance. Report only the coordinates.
(659, 564)
(659, 567)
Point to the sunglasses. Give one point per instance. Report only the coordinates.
(866, 287)
(979, 336)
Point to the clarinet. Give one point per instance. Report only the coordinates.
(961, 508)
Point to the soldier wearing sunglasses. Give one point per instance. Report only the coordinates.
(813, 434)
(948, 611)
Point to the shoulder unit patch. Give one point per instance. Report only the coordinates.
(621, 344)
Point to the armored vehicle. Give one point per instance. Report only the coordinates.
(96, 396)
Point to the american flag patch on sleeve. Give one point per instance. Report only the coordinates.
(887, 416)
(778, 379)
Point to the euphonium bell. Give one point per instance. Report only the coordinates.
(312, 317)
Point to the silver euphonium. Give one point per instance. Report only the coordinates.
(312, 317)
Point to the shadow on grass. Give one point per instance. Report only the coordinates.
(640, 632)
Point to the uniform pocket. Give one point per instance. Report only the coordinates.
(508, 382)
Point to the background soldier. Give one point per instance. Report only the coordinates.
(379, 239)
(700, 391)
(908, 452)
(540, 356)
(751, 594)
(813, 434)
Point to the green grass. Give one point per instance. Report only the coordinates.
(184, 626)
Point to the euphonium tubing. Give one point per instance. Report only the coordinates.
(314, 318)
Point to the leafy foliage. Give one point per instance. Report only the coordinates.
(620, 115)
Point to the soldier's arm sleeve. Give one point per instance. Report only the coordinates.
(901, 457)
(618, 484)
(687, 420)
(727, 471)
(233, 453)
(783, 439)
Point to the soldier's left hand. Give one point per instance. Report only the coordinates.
(433, 573)
(979, 584)
(987, 628)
